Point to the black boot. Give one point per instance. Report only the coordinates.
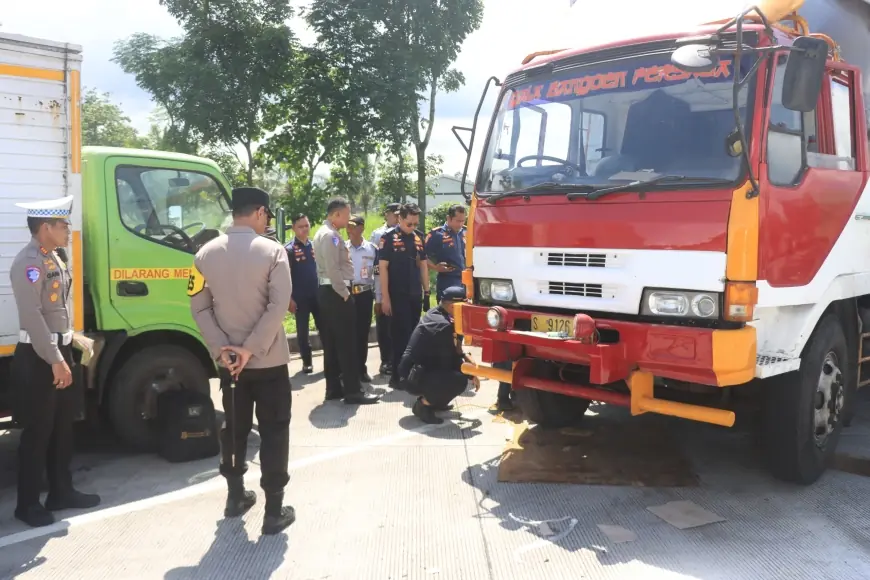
(71, 500)
(34, 515)
(239, 500)
(278, 518)
(425, 413)
(307, 367)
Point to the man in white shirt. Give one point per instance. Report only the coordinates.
(363, 254)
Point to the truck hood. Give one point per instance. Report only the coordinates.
(683, 221)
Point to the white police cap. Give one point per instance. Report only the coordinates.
(52, 208)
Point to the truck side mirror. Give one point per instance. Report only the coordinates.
(804, 73)
(695, 58)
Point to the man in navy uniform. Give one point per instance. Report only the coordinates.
(404, 279)
(445, 248)
(382, 321)
(303, 270)
(44, 399)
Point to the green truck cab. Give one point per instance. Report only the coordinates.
(145, 215)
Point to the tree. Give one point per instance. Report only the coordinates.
(402, 51)
(105, 124)
(354, 178)
(394, 180)
(216, 81)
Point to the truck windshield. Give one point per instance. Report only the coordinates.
(602, 126)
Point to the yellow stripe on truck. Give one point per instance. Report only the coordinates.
(12, 70)
(75, 93)
(78, 289)
(741, 263)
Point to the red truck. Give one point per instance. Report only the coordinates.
(678, 222)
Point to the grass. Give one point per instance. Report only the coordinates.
(373, 222)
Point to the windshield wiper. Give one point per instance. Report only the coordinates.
(640, 186)
(549, 186)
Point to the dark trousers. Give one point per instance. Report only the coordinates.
(46, 415)
(504, 389)
(339, 338)
(439, 387)
(306, 308)
(363, 304)
(403, 321)
(270, 390)
(385, 344)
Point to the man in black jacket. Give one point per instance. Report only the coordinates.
(431, 364)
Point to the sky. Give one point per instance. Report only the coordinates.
(511, 29)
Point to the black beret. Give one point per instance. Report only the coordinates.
(454, 293)
(251, 196)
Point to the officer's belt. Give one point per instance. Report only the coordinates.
(64, 337)
(360, 288)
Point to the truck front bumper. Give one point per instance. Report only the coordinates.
(633, 352)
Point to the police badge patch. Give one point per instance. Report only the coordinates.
(32, 274)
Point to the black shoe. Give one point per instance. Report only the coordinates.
(503, 405)
(425, 413)
(334, 396)
(444, 408)
(71, 500)
(386, 369)
(362, 399)
(365, 377)
(238, 505)
(35, 516)
(278, 517)
(307, 369)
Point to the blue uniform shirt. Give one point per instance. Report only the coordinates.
(402, 251)
(303, 270)
(445, 245)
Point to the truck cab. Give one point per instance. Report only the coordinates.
(146, 213)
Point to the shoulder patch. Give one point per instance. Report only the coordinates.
(195, 282)
(335, 240)
(33, 274)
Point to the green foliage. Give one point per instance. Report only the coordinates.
(394, 181)
(105, 124)
(354, 178)
(216, 81)
(438, 214)
(302, 196)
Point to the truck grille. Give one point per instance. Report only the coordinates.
(576, 289)
(581, 260)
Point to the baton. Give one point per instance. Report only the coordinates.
(233, 359)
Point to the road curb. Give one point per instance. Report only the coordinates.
(315, 342)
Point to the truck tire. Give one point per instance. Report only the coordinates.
(803, 410)
(135, 385)
(550, 410)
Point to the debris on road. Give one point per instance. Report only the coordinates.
(685, 514)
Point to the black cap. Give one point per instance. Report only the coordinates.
(454, 293)
(357, 220)
(393, 208)
(248, 196)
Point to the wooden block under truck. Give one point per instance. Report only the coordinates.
(138, 219)
(679, 223)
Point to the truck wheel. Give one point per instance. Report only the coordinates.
(803, 410)
(550, 409)
(135, 387)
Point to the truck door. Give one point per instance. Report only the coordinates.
(160, 212)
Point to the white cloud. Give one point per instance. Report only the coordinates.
(511, 29)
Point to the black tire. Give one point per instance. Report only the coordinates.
(550, 410)
(168, 365)
(794, 453)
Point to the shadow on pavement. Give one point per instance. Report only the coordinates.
(24, 557)
(332, 415)
(231, 543)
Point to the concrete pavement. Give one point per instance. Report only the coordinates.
(380, 496)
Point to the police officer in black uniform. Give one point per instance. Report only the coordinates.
(303, 269)
(404, 279)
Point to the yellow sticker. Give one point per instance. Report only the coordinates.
(53, 297)
(195, 282)
(56, 285)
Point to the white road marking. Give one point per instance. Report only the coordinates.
(215, 484)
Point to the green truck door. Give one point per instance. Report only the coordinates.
(168, 210)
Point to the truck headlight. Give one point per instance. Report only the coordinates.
(496, 290)
(681, 303)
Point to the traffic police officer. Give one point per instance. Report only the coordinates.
(303, 268)
(363, 255)
(45, 403)
(239, 289)
(382, 321)
(445, 248)
(404, 279)
(335, 273)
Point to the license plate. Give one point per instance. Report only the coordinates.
(553, 324)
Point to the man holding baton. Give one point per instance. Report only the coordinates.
(239, 290)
